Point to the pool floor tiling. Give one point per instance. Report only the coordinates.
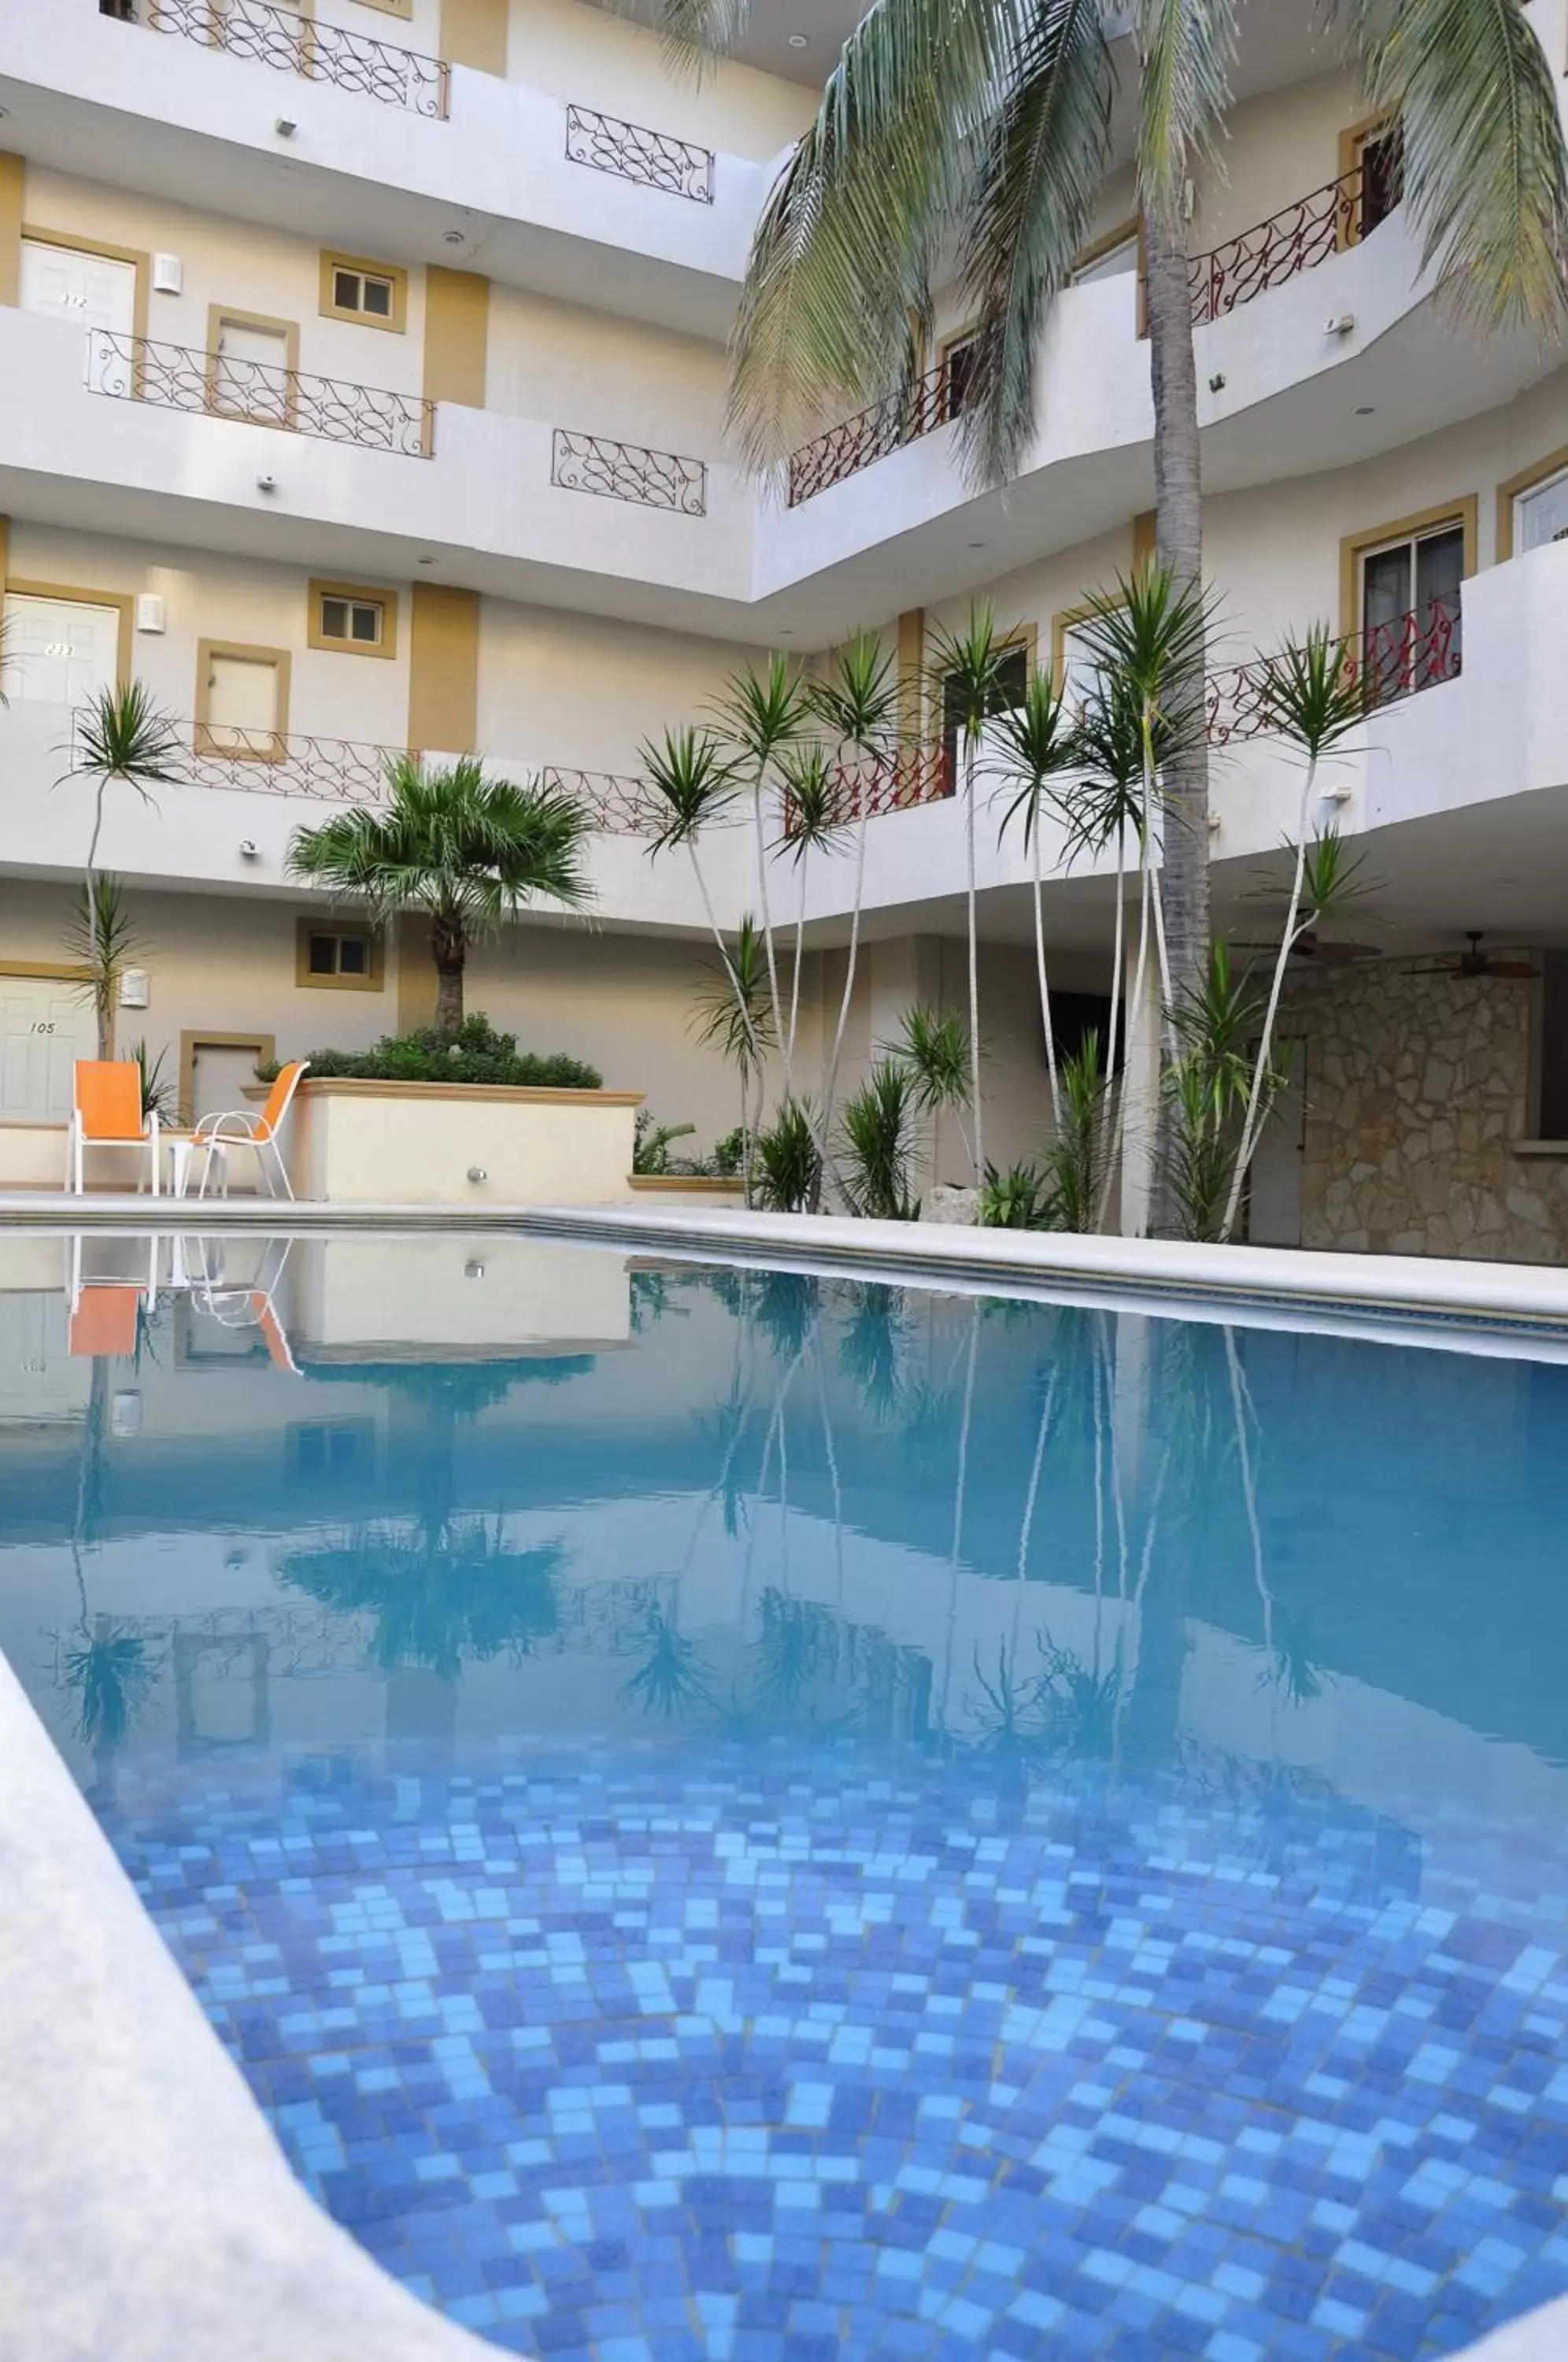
(636, 2054)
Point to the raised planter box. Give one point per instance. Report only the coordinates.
(695, 1188)
(356, 1143)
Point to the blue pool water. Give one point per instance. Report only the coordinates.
(731, 1815)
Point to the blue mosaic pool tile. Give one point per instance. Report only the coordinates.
(636, 2058)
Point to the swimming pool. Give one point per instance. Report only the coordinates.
(727, 1814)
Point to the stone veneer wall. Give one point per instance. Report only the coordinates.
(1418, 1087)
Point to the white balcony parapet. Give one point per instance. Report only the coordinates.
(1296, 239)
(291, 43)
(259, 393)
(630, 151)
(628, 471)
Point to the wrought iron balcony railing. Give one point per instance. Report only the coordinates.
(222, 757)
(259, 394)
(1392, 660)
(916, 409)
(1296, 239)
(626, 472)
(631, 153)
(292, 43)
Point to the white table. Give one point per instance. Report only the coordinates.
(181, 1152)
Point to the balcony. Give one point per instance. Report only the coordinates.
(291, 43)
(257, 394)
(1269, 255)
(630, 151)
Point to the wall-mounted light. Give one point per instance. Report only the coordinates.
(1338, 795)
(1343, 325)
(453, 236)
(284, 127)
(151, 611)
(266, 483)
(474, 1270)
(248, 849)
(478, 1173)
(135, 989)
(168, 274)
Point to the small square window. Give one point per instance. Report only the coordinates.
(360, 621)
(322, 956)
(345, 290)
(348, 956)
(353, 956)
(376, 297)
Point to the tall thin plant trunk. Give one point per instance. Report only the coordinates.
(971, 753)
(103, 989)
(1113, 1091)
(1251, 1128)
(800, 954)
(1045, 1018)
(1135, 999)
(786, 1042)
(829, 1087)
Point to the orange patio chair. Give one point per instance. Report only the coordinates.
(106, 1114)
(245, 1128)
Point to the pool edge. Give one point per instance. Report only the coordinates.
(150, 2210)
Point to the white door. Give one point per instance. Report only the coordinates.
(94, 290)
(1275, 1209)
(251, 377)
(38, 1379)
(58, 651)
(45, 1026)
(242, 706)
(220, 1078)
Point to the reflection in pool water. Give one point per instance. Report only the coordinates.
(725, 1813)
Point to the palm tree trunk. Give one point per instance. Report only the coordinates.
(970, 754)
(800, 942)
(1178, 503)
(1112, 1089)
(449, 950)
(102, 997)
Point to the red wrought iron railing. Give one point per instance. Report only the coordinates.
(257, 394)
(1272, 252)
(917, 409)
(1298, 238)
(1392, 660)
(292, 43)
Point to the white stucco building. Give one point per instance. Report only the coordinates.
(363, 382)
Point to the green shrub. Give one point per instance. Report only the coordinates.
(475, 1054)
(1017, 1199)
(788, 1168)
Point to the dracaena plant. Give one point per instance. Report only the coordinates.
(1038, 749)
(973, 138)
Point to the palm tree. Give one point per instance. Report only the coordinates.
(1039, 745)
(859, 704)
(761, 716)
(469, 851)
(983, 128)
(812, 827)
(122, 735)
(967, 665)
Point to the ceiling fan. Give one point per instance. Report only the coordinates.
(1475, 963)
(1320, 951)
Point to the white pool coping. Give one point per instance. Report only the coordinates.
(149, 2214)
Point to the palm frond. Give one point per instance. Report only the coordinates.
(811, 792)
(843, 257)
(123, 735)
(1313, 692)
(1485, 172)
(1184, 53)
(859, 699)
(455, 843)
(1039, 171)
(689, 774)
(1037, 744)
(761, 714)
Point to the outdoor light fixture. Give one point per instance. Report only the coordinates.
(1344, 326)
(477, 1172)
(285, 128)
(1340, 795)
(798, 41)
(453, 236)
(248, 849)
(266, 483)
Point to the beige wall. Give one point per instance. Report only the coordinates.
(583, 690)
(357, 1144)
(599, 60)
(571, 366)
(1417, 1091)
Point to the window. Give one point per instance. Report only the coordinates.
(959, 357)
(1110, 258)
(323, 1451)
(1012, 682)
(374, 293)
(1540, 512)
(338, 958)
(1410, 610)
(352, 619)
(1377, 150)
